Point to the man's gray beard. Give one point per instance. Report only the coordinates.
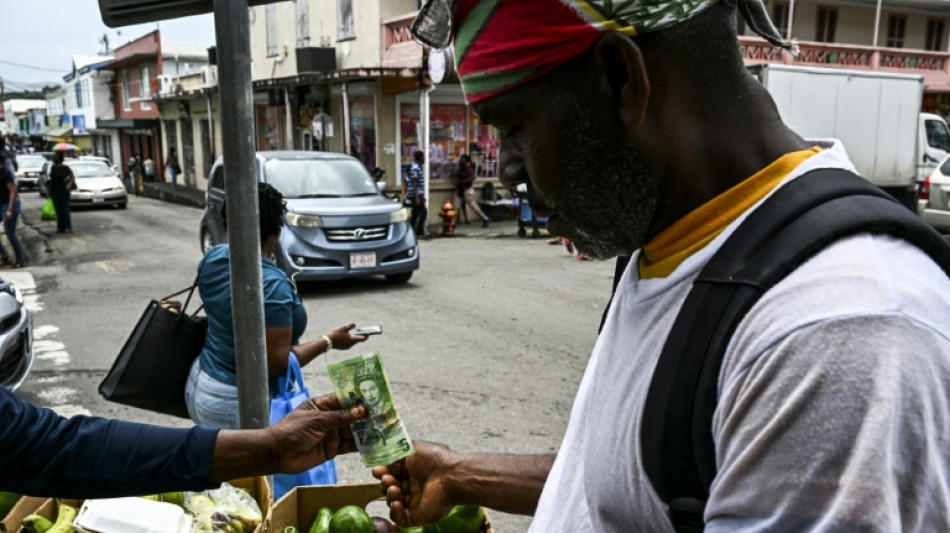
(610, 196)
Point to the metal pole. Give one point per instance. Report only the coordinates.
(346, 121)
(211, 132)
(791, 20)
(232, 28)
(289, 120)
(877, 23)
(424, 116)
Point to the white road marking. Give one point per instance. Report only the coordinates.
(47, 349)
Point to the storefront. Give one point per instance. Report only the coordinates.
(454, 129)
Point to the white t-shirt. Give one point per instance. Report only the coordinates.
(834, 399)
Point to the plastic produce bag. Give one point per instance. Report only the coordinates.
(49, 210)
(225, 510)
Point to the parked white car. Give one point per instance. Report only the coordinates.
(101, 160)
(97, 185)
(934, 204)
(30, 167)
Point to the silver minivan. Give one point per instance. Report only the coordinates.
(338, 223)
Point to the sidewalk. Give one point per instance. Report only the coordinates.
(178, 195)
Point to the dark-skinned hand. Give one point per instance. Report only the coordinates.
(415, 487)
(343, 339)
(313, 433)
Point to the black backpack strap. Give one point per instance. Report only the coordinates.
(795, 223)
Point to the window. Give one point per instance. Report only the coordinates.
(126, 93)
(780, 18)
(303, 23)
(78, 88)
(145, 89)
(937, 135)
(934, 39)
(270, 19)
(895, 30)
(825, 24)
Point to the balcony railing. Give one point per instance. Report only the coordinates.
(933, 66)
(399, 48)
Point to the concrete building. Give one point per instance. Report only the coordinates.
(903, 36)
(346, 76)
(191, 120)
(20, 117)
(88, 95)
(138, 66)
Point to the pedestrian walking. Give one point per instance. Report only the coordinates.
(174, 169)
(211, 393)
(465, 191)
(10, 206)
(413, 195)
(61, 183)
(148, 167)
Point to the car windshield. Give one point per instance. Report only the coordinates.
(90, 170)
(319, 178)
(30, 161)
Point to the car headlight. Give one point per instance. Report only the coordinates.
(304, 221)
(399, 216)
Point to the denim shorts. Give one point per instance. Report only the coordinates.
(211, 403)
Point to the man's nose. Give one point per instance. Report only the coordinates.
(511, 168)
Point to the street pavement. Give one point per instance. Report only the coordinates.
(485, 346)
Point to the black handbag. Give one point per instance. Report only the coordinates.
(153, 365)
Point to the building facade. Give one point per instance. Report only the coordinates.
(88, 100)
(346, 76)
(137, 68)
(900, 36)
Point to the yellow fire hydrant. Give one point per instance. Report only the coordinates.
(448, 218)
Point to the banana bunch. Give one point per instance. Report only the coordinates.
(224, 510)
(65, 515)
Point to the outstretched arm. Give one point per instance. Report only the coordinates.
(423, 487)
(44, 454)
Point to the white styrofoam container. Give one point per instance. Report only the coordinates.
(131, 515)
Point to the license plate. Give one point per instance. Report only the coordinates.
(363, 260)
(98, 200)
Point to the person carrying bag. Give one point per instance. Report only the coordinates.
(153, 364)
(292, 393)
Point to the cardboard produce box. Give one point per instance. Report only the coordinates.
(299, 507)
(258, 487)
(24, 506)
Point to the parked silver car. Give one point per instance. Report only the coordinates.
(338, 223)
(934, 203)
(16, 337)
(29, 169)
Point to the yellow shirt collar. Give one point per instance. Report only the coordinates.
(673, 245)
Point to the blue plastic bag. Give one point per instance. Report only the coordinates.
(293, 393)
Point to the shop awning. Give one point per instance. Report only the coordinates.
(125, 123)
(58, 131)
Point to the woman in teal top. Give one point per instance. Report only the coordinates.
(211, 390)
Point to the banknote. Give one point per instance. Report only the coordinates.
(381, 437)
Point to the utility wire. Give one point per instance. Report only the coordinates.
(21, 65)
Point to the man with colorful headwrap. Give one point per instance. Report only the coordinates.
(638, 131)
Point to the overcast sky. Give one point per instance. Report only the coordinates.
(44, 34)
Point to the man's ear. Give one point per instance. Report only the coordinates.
(620, 67)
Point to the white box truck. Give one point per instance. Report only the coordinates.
(876, 115)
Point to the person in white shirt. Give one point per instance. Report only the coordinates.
(638, 131)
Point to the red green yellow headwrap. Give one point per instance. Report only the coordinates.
(496, 49)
